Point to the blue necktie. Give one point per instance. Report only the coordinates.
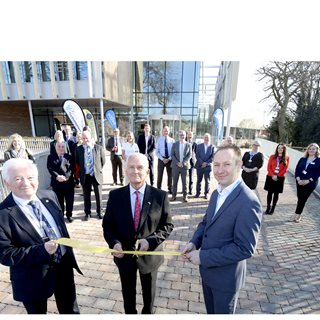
(90, 161)
(166, 153)
(45, 225)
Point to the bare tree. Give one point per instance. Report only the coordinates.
(282, 82)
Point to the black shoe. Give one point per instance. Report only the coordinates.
(206, 196)
(87, 217)
(70, 219)
(185, 199)
(114, 184)
(99, 215)
(272, 210)
(170, 191)
(197, 195)
(122, 184)
(173, 199)
(190, 193)
(267, 210)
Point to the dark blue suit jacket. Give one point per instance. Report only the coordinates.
(313, 171)
(228, 239)
(22, 249)
(202, 157)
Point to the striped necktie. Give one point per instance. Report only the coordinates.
(45, 225)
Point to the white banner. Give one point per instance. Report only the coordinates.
(75, 114)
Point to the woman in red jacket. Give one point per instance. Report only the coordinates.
(277, 167)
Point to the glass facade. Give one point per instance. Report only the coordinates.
(168, 95)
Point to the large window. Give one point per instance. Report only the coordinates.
(80, 70)
(43, 71)
(8, 72)
(169, 87)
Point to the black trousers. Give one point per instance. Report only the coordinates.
(128, 275)
(161, 167)
(190, 179)
(66, 194)
(65, 291)
(151, 174)
(303, 193)
(117, 163)
(90, 181)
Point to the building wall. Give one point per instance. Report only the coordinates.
(14, 118)
(118, 82)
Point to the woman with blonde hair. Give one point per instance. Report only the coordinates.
(17, 148)
(307, 174)
(58, 137)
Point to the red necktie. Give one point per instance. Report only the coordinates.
(136, 217)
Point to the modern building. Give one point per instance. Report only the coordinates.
(159, 92)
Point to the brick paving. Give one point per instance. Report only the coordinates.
(282, 278)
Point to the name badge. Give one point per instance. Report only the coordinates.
(250, 160)
(304, 172)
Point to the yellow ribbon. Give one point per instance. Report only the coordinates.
(88, 247)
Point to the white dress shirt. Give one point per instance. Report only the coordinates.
(223, 194)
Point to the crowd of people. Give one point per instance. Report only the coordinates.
(31, 219)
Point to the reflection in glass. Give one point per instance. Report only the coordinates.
(187, 100)
(188, 76)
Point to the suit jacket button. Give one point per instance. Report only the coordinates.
(205, 235)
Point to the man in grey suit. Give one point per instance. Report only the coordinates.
(180, 155)
(227, 235)
(91, 159)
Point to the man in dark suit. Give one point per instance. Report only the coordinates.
(147, 143)
(91, 159)
(29, 222)
(192, 159)
(61, 168)
(114, 145)
(204, 156)
(180, 154)
(137, 216)
(228, 234)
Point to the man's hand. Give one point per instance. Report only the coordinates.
(188, 248)
(142, 245)
(118, 247)
(194, 257)
(51, 247)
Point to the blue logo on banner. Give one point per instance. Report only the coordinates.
(111, 118)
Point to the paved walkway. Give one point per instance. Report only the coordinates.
(283, 277)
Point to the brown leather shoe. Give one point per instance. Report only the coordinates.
(173, 199)
(185, 199)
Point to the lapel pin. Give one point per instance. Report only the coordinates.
(149, 202)
(47, 200)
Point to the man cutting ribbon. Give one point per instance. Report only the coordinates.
(137, 213)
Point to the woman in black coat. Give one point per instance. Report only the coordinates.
(252, 161)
